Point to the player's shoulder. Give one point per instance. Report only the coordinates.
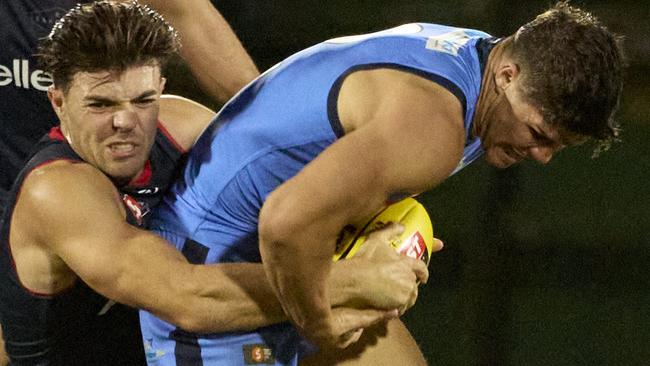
(60, 182)
(184, 119)
(402, 94)
(417, 121)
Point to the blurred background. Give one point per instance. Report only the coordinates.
(543, 265)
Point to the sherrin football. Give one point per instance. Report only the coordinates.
(416, 241)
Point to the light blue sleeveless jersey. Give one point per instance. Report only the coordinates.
(267, 134)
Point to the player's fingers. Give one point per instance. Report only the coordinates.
(367, 249)
(390, 231)
(349, 319)
(437, 245)
(380, 237)
(349, 338)
(412, 299)
(420, 270)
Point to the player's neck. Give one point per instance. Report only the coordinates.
(488, 96)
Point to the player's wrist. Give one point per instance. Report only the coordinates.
(318, 328)
(346, 283)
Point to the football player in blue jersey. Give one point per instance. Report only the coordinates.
(556, 82)
(74, 250)
(332, 134)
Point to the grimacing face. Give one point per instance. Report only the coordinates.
(513, 129)
(110, 118)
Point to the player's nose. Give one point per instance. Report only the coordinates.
(542, 154)
(125, 119)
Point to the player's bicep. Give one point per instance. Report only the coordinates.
(410, 141)
(78, 217)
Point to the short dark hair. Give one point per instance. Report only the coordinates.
(572, 69)
(106, 35)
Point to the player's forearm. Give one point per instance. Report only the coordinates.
(305, 302)
(211, 49)
(228, 297)
(154, 276)
(351, 284)
(298, 228)
(148, 273)
(345, 287)
(201, 298)
(238, 296)
(222, 67)
(298, 275)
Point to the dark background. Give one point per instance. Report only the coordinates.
(543, 265)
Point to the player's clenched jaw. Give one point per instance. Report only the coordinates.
(110, 117)
(512, 128)
(516, 131)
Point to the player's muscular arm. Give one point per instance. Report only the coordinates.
(214, 54)
(76, 213)
(411, 140)
(73, 211)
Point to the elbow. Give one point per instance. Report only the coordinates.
(277, 224)
(187, 322)
(194, 323)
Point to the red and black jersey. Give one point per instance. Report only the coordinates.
(78, 326)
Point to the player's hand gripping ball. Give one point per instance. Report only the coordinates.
(416, 241)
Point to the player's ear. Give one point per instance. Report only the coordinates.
(163, 81)
(506, 73)
(55, 95)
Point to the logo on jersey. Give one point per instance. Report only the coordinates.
(137, 209)
(414, 247)
(20, 74)
(150, 352)
(448, 42)
(258, 354)
(149, 191)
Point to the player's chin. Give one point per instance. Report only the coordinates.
(125, 170)
(499, 159)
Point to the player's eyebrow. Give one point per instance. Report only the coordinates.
(106, 100)
(99, 99)
(570, 138)
(145, 95)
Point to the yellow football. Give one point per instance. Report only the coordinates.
(416, 241)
